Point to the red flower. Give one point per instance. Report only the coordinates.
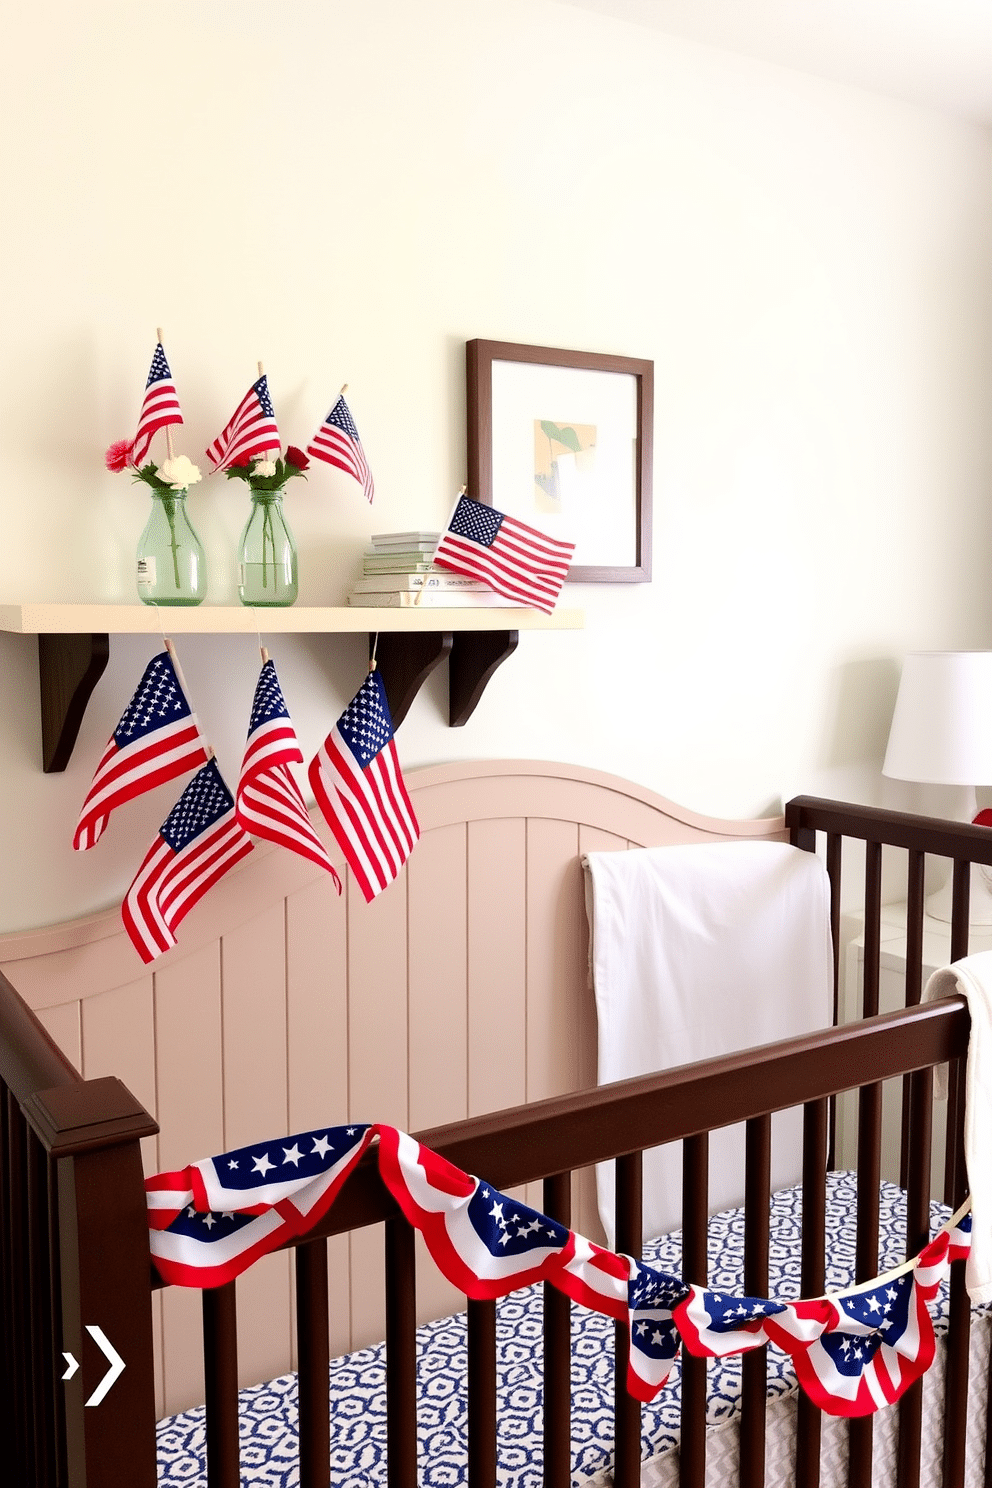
(296, 457)
(118, 456)
(242, 461)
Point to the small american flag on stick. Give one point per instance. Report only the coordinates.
(357, 781)
(199, 841)
(159, 407)
(251, 431)
(157, 739)
(516, 560)
(269, 802)
(336, 442)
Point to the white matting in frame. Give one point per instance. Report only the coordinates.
(564, 456)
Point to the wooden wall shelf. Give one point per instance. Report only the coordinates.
(74, 647)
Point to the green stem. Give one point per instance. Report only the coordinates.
(169, 503)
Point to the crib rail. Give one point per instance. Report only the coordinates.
(564, 1134)
(69, 1158)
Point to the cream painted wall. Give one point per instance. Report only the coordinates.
(351, 192)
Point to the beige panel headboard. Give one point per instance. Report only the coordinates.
(460, 990)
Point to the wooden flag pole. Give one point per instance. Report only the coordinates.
(179, 671)
(168, 427)
(423, 586)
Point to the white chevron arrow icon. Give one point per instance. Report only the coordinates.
(117, 1365)
(71, 1365)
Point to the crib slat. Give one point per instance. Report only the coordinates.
(44, 1349)
(557, 1200)
(401, 1354)
(917, 1141)
(960, 902)
(627, 1410)
(757, 1200)
(959, 1312)
(15, 1223)
(482, 1394)
(816, 1120)
(220, 1369)
(695, 1190)
(869, 1144)
(314, 1351)
(914, 988)
(61, 1467)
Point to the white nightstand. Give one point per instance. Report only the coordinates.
(891, 996)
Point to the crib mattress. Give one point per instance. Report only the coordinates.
(268, 1412)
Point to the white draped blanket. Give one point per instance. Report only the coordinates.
(972, 976)
(698, 951)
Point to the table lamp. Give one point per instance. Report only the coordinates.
(941, 734)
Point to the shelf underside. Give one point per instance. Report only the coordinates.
(74, 648)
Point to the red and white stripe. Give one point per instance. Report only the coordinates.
(169, 884)
(269, 802)
(250, 432)
(125, 773)
(369, 811)
(335, 446)
(522, 563)
(160, 407)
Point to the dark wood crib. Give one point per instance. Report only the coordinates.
(74, 1248)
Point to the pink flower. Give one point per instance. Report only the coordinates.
(118, 456)
(296, 457)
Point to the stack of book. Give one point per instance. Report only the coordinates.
(398, 572)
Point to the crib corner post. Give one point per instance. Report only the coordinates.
(92, 1132)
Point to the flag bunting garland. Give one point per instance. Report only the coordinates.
(159, 406)
(157, 738)
(359, 787)
(269, 802)
(517, 561)
(854, 1351)
(336, 442)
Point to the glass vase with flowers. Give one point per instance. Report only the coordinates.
(267, 559)
(171, 565)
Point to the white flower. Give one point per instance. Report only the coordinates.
(264, 467)
(179, 472)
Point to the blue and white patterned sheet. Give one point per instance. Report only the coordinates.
(268, 1412)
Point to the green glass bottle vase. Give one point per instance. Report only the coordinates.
(172, 568)
(267, 563)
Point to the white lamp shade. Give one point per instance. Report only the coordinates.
(941, 730)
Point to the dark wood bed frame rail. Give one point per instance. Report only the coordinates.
(73, 1238)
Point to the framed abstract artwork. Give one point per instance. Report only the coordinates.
(563, 440)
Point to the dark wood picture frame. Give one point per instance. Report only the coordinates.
(479, 358)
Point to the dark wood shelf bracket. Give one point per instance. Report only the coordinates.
(475, 655)
(406, 659)
(69, 667)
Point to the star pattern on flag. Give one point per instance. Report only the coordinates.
(201, 803)
(473, 520)
(268, 702)
(159, 369)
(364, 724)
(159, 698)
